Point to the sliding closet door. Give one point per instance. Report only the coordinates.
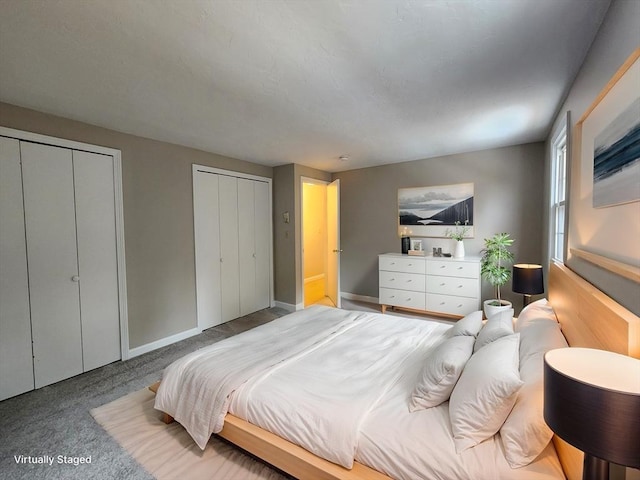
(262, 224)
(97, 261)
(53, 264)
(229, 248)
(207, 245)
(246, 241)
(16, 363)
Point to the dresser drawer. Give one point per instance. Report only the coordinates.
(402, 281)
(402, 298)
(451, 305)
(457, 286)
(453, 268)
(400, 264)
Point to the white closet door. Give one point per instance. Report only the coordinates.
(229, 276)
(262, 245)
(207, 246)
(16, 356)
(53, 264)
(97, 261)
(246, 241)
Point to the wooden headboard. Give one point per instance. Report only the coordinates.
(590, 319)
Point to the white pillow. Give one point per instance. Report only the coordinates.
(539, 310)
(441, 372)
(469, 325)
(525, 434)
(497, 326)
(485, 393)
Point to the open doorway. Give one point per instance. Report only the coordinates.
(320, 242)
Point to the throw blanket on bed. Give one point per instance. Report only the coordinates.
(195, 389)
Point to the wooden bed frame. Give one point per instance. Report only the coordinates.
(588, 318)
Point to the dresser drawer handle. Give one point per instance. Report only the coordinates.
(460, 306)
(392, 263)
(443, 266)
(392, 279)
(411, 264)
(392, 296)
(409, 299)
(459, 286)
(442, 303)
(409, 281)
(442, 284)
(459, 268)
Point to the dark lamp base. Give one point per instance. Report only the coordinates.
(595, 468)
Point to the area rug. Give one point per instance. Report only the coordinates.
(167, 451)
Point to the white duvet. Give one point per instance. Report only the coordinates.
(338, 384)
(321, 400)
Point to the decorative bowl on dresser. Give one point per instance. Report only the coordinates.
(442, 286)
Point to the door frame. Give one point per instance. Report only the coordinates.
(195, 168)
(119, 214)
(316, 181)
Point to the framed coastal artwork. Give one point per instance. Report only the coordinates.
(432, 211)
(611, 143)
(605, 194)
(616, 159)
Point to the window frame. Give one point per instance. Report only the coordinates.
(559, 188)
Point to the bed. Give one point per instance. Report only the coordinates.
(341, 384)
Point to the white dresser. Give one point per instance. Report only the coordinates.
(439, 285)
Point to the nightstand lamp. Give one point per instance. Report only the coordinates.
(527, 280)
(592, 401)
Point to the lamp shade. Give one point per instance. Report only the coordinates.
(527, 279)
(592, 401)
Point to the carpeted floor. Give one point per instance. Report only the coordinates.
(55, 420)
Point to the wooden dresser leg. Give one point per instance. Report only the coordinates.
(384, 308)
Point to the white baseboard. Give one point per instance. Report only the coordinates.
(163, 342)
(314, 278)
(361, 298)
(285, 306)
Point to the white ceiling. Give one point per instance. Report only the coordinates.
(301, 81)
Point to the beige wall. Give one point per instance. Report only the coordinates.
(508, 198)
(287, 238)
(284, 236)
(158, 218)
(619, 35)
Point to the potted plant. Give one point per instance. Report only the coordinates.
(458, 235)
(494, 267)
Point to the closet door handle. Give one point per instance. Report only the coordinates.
(75, 278)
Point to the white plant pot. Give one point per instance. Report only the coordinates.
(459, 250)
(490, 310)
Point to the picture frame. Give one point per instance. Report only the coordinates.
(416, 245)
(610, 142)
(596, 226)
(434, 210)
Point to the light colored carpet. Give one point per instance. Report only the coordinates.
(167, 451)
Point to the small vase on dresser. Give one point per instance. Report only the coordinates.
(459, 250)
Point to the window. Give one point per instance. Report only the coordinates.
(558, 194)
